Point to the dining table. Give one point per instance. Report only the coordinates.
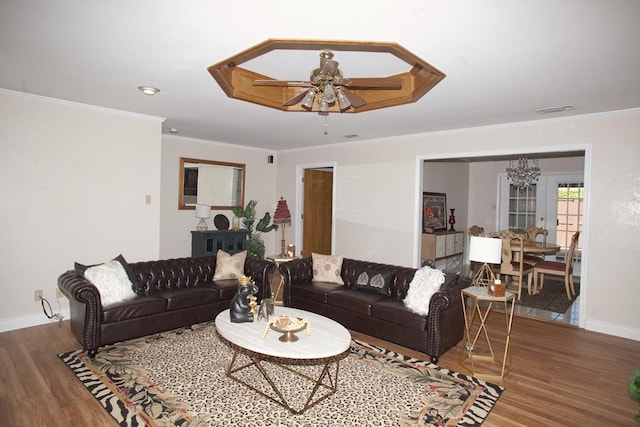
(536, 248)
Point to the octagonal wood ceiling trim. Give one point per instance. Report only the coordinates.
(237, 82)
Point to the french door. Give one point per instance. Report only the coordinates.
(523, 207)
(555, 202)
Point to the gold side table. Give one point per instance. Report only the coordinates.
(277, 296)
(480, 305)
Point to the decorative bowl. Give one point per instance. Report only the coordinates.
(288, 326)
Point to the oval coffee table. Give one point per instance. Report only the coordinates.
(325, 345)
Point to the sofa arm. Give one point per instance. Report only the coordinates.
(260, 270)
(446, 318)
(296, 272)
(85, 307)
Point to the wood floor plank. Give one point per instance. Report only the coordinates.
(562, 375)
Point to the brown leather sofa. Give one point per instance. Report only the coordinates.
(172, 293)
(381, 316)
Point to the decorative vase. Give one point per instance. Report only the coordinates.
(452, 220)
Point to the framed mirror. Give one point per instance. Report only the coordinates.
(207, 182)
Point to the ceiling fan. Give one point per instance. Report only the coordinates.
(326, 85)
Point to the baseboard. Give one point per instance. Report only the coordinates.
(615, 329)
(28, 320)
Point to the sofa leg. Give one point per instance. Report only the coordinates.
(434, 359)
(92, 352)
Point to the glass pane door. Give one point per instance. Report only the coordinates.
(570, 200)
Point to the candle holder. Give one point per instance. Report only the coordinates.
(452, 220)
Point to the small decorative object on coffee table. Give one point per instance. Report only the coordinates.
(240, 310)
(266, 309)
(288, 326)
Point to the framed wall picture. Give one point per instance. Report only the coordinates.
(434, 212)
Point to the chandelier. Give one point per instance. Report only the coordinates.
(522, 174)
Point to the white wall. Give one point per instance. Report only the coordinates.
(377, 186)
(452, 179)
(176, 225)
(74, 180)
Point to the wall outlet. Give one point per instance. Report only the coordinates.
(59, 293)
(37, 295)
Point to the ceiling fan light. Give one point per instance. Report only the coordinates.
(307, 101)
(343, 101)
(329, 94)
(324, 107)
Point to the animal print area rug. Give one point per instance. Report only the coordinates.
(179, 378)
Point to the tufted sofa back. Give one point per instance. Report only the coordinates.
(148, 276)
(402, 276)
(301, 271)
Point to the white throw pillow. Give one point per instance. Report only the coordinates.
(229, 266)
(327, 268)
(112, 282)
(426, 282)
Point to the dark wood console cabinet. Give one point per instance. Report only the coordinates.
(208, 242)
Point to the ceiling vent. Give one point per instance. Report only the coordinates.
(552, 110)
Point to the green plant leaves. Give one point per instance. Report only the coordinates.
(255, 244)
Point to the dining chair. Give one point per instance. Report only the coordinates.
(474, 230)
(532, 234)
(509, 265)
(558, 268)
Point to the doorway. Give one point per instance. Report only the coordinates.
(316, 204)
(556, 203)
(484, 193)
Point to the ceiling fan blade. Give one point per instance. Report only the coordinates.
(354, 99)
(374, 83)
(299, 97)
(282, 83)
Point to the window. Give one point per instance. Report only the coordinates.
(522, 206)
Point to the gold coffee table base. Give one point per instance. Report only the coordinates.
(325, 380)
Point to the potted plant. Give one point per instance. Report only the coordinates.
(255, 244)
(634, 388)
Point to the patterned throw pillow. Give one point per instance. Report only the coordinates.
(375, 282)
(229, 266)
(327, 268)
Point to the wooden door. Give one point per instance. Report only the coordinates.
(316, 219)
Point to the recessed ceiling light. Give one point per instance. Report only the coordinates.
(551, 110)
(148, 90)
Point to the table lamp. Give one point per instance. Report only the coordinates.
(203, 212)
(282, 217)
(486, 250)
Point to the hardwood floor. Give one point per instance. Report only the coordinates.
(562, 376)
